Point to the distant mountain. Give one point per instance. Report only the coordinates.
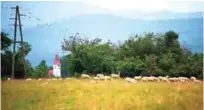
(46, 40)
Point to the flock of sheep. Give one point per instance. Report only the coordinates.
(140, 78)
(102, 77)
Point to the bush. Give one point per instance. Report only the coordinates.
(77, 75)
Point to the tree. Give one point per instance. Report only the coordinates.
(41, 70)
(6, 55)
(5, 41)
(64, 66)
(147, 54)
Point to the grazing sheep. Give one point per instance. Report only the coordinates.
(183, 79)
(160, 77)
(115, 76)
(173, 79)
(9, 79)
(137, 77)
(100, 75)
(96, 78)
(176, 79)
(39, 79)
(130, 80)
(150, 79)
(164, 79)
(107, 77)
(153, 79)
(28, 79)
(193, 78)
(85, 76)
(144, 79)
(102, 78)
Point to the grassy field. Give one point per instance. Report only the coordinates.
(75, 94)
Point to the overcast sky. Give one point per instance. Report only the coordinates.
(49, 12)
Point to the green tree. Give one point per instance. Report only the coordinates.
(146, 54)
(6, 57)
(41, 70)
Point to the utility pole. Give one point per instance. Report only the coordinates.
(18, 20)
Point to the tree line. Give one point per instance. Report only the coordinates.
(6, 60)
(148, 54)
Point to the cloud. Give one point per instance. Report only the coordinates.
(50, 12)
(47, 12)
(116, 5)
(148, 5)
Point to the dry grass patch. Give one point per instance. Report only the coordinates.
(76, 94)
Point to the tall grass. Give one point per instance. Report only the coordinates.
(78, 94)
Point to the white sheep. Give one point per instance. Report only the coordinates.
(130, 80)
(137, 77)
(164, 79)
(39, 79)
(153, 79)
(193, 78)
(176, 79)
(96, 78)
(115, 76)
(85, 76)
(150, 79)
(183, 79)
(172, 79)
(144, 79)
(102, 78)
(107, 77)
(28, 79)
(100, 75)
(9, 79)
